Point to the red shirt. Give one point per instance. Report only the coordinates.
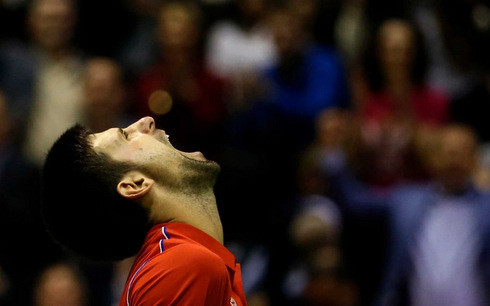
(181, 265)
(426, 105)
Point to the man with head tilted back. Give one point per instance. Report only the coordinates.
(110, 195)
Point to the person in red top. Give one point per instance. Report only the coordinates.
(399, 108)
(108, 195)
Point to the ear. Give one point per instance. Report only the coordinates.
(134, 185)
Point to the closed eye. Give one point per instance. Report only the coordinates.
(124, 133)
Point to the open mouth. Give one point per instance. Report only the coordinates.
(197, 155)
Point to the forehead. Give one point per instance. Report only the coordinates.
(106, 140)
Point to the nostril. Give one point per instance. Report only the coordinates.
(147, 124)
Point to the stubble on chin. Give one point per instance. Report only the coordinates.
(199, 176)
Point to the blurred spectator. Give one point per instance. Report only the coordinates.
(239, 49)
(457, 34)
(307, 78)
(333, 130)
(439, 253)
(443, 72)
(140, 49)
(104, 96)
(60, 285)
(317, 275)
(351, 31)
(396, 70)
(398, 104)
(244, 45)
(318, 17)
(43, 80)
(429, 224)
(361, 240)
(21, 228)
(266, 139)
(181, 86)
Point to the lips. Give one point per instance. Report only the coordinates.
(163, 137)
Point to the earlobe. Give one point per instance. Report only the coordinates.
(134, 185)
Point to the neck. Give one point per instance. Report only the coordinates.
(198, 210)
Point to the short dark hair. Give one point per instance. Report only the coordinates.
(80, 205)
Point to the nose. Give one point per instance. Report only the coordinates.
(144, 125)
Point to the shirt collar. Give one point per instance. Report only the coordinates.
(176, 229)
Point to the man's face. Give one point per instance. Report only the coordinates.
(143, 145)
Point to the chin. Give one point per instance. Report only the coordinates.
(200, 175)
(195, 156)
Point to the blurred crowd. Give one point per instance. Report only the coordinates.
(353, 137)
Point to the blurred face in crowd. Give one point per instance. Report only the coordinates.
(59, 285)
(287, 30)
(177, 28)
(104, 93)
(455, 157)
(396, 46)
(51, 23)
(144, 145)
(332, 128)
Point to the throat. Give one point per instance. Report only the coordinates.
(200, 211)
(207, 218)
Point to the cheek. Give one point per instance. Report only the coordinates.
(152, 152)
(132, 152)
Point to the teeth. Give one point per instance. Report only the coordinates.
(168, 137)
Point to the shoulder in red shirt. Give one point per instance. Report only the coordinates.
(181, 265)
